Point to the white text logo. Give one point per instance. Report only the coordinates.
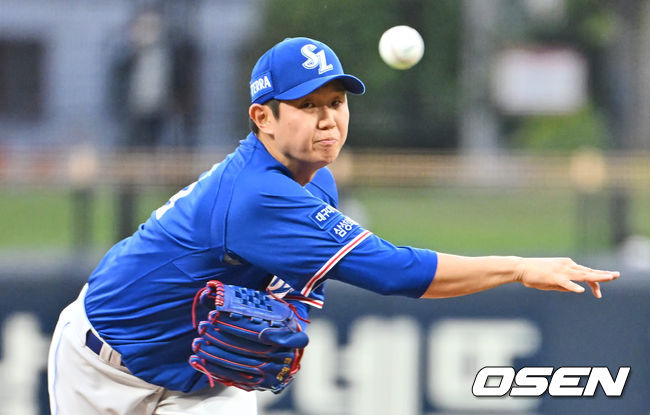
(259, 84)
(532, 381)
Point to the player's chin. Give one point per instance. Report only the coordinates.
(327, 153)
(330, 157)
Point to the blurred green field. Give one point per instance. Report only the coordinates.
(464, 221)
(473, 222)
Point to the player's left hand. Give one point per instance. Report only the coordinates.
(561, 274)
(250, 340)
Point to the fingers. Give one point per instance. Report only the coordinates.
(593, 277)
(595, 289)
(582, 273)
(571, 286)
(561, 274)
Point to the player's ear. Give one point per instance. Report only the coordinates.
(262, 116)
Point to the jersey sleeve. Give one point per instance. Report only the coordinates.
(379, 266)
(281, 227)
(281, 289)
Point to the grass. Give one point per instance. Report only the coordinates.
(473, 222)
(481, 221)
(464, 221)
(46, 218)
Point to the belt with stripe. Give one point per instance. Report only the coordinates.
(95, 344)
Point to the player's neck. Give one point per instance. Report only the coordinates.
(303, 176)
(301, 171)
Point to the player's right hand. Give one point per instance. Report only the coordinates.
(561, 274)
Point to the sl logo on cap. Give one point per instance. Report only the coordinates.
(315, 59)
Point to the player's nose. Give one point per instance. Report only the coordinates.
(326, 117)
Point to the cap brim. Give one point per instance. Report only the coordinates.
(351, 83)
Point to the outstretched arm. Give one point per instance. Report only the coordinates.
(459, 275)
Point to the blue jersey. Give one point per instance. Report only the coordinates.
(245, 222)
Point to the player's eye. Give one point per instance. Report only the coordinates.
(306, 104)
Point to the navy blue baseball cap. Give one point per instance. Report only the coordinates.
(296, 67)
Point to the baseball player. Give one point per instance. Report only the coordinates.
(264, 218)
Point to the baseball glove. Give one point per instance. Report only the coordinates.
(250, 340)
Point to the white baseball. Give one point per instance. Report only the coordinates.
(401, 47)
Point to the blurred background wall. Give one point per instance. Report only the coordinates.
(524, 130)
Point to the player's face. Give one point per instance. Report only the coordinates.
(310, 131)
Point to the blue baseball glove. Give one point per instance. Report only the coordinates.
(250, 340)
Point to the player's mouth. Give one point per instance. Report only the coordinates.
(327, 141)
